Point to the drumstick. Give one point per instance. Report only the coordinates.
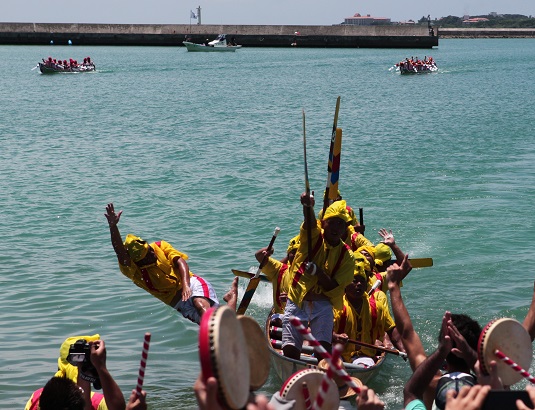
(324, 353)
(143, 363)
(306, 395)
(324, 387)
(375, 286)
(514, 366)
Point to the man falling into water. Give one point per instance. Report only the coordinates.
(163, 271)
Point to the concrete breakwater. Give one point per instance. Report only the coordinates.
(487, 33)
(247, 35)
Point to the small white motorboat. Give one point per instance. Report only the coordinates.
(219, 44)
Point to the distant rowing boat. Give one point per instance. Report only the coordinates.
(410, 66)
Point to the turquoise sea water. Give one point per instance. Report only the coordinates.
(205, 151)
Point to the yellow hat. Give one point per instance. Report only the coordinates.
(137, 248)
(352, 215)
(338, 209)
(65, 369)
(383, 253)
(293, 244)
(370, 249)
(360, 269)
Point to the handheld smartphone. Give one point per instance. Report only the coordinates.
(505, 399)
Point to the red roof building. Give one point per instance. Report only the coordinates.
(359, 20)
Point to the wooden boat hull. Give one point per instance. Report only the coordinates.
(49, 70)
(418, 70)
(208, 49)
(284, 366)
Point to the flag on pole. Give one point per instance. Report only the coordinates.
(192, 15)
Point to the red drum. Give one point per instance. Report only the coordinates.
(223, 355)
(292, 389)
(509, 337)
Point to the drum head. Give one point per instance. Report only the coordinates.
(223, 355)
(509, 337)
(292, 389)
(258, 351)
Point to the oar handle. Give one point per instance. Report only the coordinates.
(382, 349)
(270, 246)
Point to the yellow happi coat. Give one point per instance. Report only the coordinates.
(368, 326)
(162, 280)
(336, 261)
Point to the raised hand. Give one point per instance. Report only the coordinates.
(388, 237)
(111, 216)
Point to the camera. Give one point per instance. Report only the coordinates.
(79, 352)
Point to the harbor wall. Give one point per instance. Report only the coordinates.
(487, 33)
(247, 35)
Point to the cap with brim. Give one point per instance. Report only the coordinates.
(451, 381)
(137, 248)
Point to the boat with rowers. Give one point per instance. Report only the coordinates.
(219, 44)
(416, 66)
(52, 66)
(284, 366)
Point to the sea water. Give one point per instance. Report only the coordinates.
(205, 151)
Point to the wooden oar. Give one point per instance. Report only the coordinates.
(331, 158)
(381, 349)
(415, 262)
(255, 280)
(250, 275)
(307, 190)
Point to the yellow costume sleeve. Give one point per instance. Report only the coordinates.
(271, 269)
(383, 314)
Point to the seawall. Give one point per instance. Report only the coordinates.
(487, 33)
(247, 35)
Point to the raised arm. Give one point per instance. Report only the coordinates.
(308, 202)
(410, 339)
(112, 393)
(116, 240)
(426, 371)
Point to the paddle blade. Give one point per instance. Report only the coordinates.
(249, 275)
(334, 165)
(421, 262)
(248, 296)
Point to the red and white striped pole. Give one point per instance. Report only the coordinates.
(324, 387)
(306, 395)
(324, 353)
(514, 366)
(143, 363)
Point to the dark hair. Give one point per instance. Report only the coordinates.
(61, 394)
(470, 330)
